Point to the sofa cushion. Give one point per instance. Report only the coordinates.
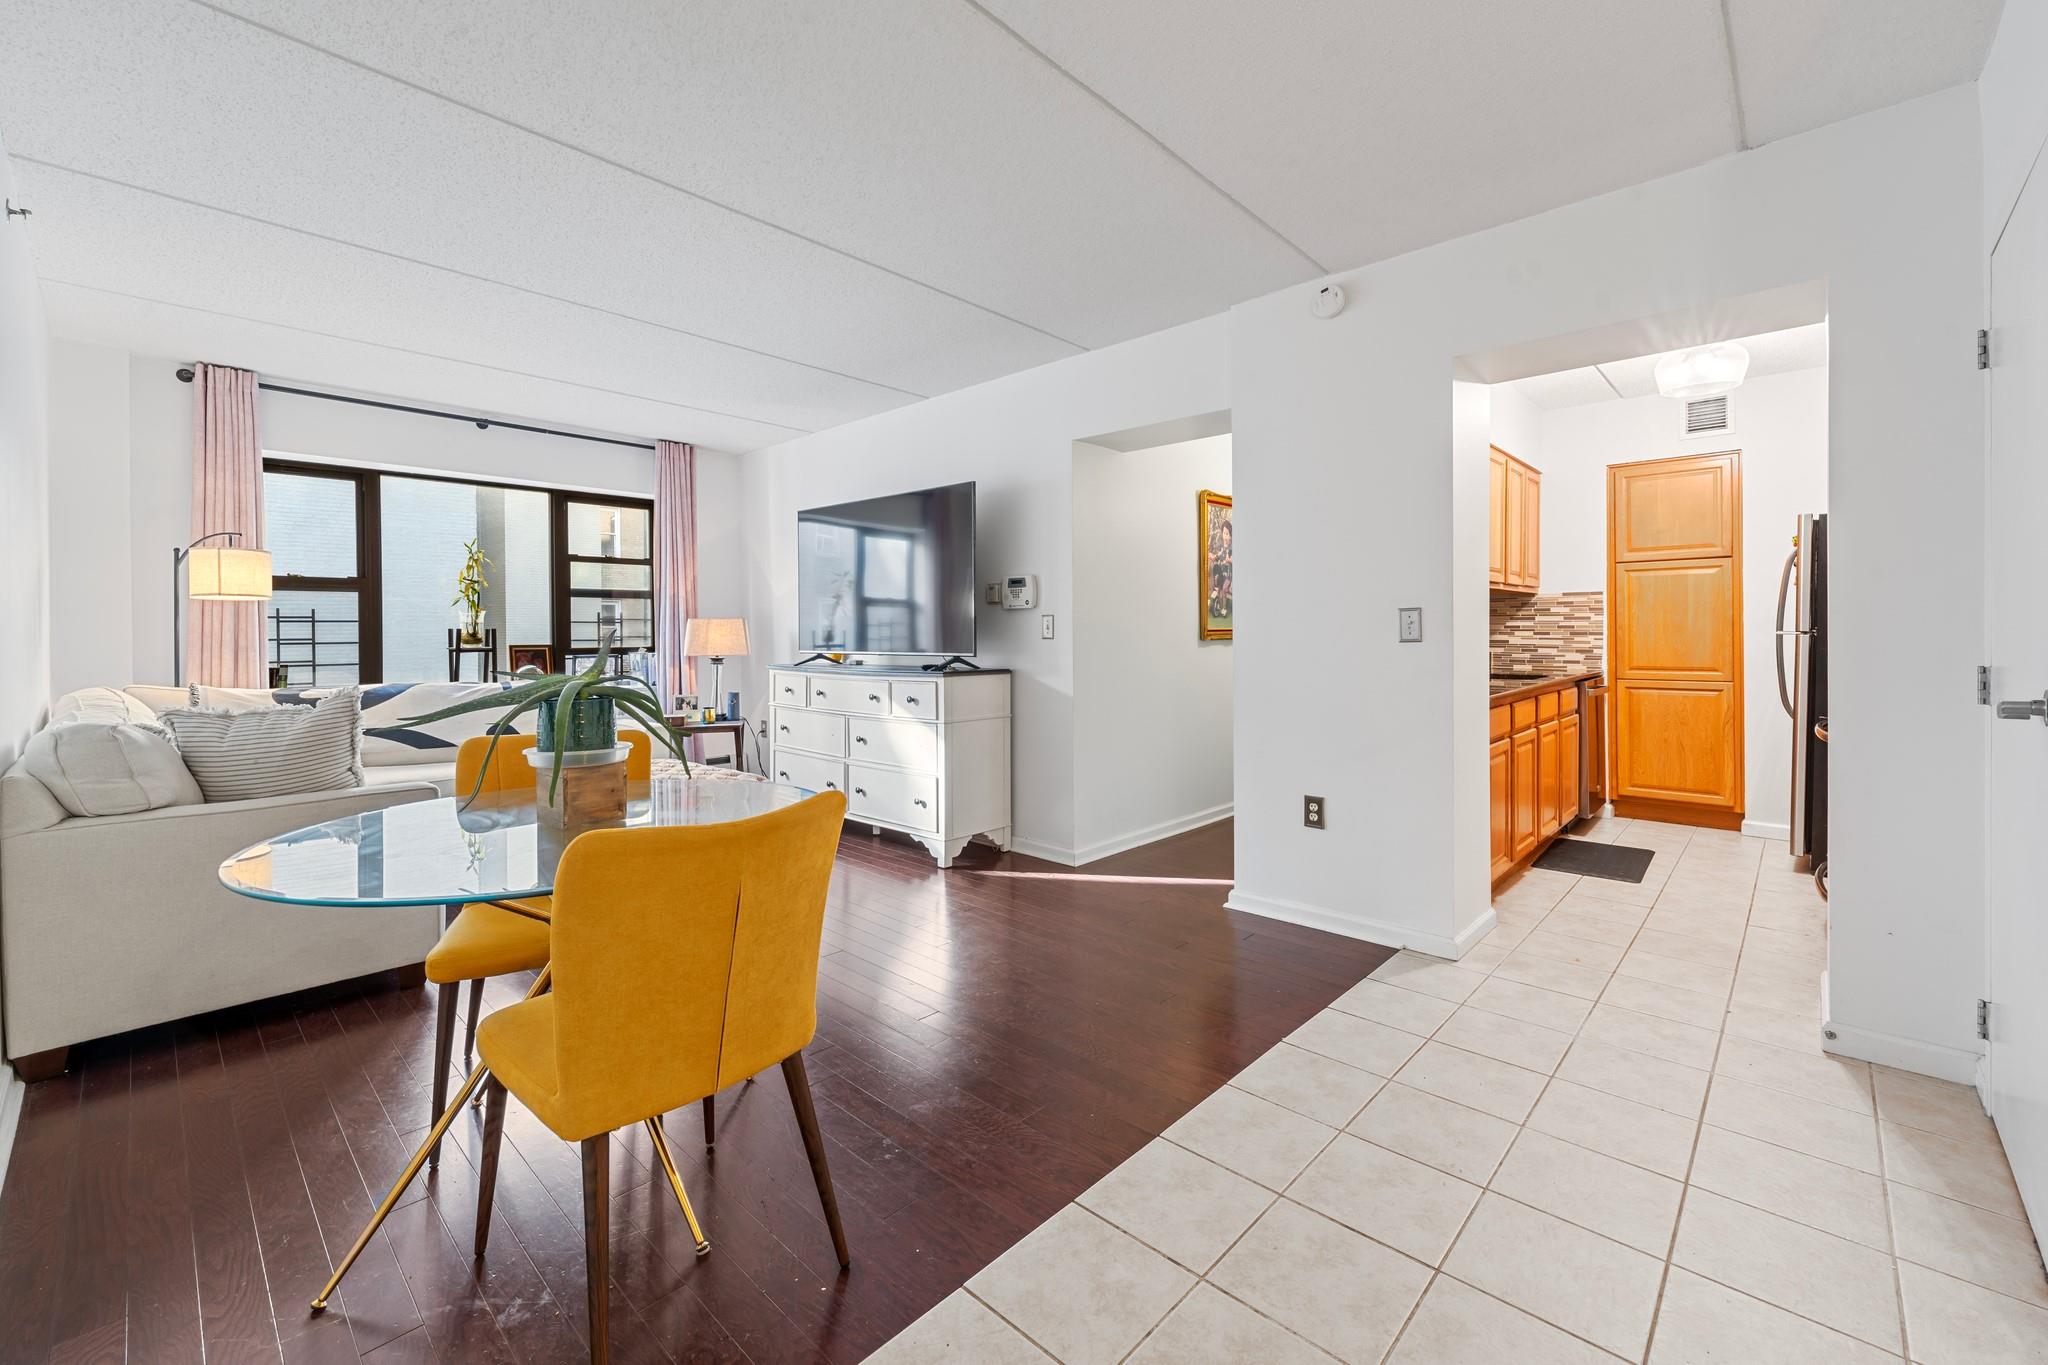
(105, 706)
(282, 751)
(162, 699)
(390, 739)
(95, 768)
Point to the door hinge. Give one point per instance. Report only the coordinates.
(1983, 348)
(1983, 684)
(1984, 1020)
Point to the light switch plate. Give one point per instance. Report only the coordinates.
(1411, 625)
(992, 594)
(1045, 627)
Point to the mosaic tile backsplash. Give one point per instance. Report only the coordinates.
(1559, 632)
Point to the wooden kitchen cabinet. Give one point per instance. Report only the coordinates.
(1533, 769)
(1515, 523)
(1499, 798)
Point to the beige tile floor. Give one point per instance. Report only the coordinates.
(1609, 1132)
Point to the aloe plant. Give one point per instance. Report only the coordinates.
(635, 696)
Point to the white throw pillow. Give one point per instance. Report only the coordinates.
(94, 768)
(282, 751)
(104, 705)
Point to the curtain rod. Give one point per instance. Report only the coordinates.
(481, 423)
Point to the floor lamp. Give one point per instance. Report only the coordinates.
(214, 573)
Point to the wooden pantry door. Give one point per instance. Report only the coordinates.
(1674, 627)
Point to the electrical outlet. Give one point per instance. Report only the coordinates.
(1411, 625)
(1313, 812)
(1045, 626)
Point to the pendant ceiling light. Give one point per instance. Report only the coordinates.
(1702, 371)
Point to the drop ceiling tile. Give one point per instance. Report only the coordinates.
(116, 239)
(1813, 62)
(1565, 389)
(216, 111)
(916, 135)
(1363, 131)
(293, 355)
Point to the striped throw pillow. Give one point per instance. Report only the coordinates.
(283, 751)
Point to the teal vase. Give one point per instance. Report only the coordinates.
(591, 723)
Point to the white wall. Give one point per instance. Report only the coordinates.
(1015, 437)
(1144, 772)
(1781, 428)
(24, 558)
(1345, 513)
(121, 433)
(2014, 103)
(1516, 425)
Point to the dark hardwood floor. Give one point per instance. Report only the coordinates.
(991, 1041)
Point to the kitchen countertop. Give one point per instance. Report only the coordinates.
(1513, 688)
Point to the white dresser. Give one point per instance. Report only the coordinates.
(924, 753)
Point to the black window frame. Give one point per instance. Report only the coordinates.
(566, 593)
(368, 583)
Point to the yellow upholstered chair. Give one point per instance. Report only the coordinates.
(484, 940)
(685, 961)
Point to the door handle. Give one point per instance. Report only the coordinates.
(2037, 709)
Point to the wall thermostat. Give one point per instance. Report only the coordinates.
(1328, 301)
(1020, 592)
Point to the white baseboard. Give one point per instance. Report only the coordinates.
(11, 1093)
(1764, 829)
(1904, 1054)
(1165, 829)
(1360, 927)
(1052, 853)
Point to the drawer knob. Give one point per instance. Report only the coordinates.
(873, 697)
(860, 739)
(860, 791)
(918, 801)
(910, 701)
(789, 691)
(783, 728)
(783, 775)
(832, 786)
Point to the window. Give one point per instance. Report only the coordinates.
(321, 528)
(366, 565)
(606, 573)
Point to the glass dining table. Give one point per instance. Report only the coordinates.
(496, 850)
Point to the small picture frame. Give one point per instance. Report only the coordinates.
(1215, 597)
(686, 702)
(541, 657)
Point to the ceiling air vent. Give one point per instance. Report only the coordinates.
(1708, 416)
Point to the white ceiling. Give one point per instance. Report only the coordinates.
(731, 223)
(1795, 348)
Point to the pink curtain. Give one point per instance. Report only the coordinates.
(224, 640)
(675, 565)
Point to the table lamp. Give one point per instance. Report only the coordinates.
(715, 638)
(214, 573)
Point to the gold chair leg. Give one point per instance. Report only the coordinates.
(412, 1168)
(668, 1164)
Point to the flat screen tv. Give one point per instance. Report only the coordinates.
(890, 575)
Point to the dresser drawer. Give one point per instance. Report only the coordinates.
(914, 698)
(891, 796)
(789, 689)
(902, 743)
(812, 774)
(816, 732)
(1546, 706)
(1498, 722)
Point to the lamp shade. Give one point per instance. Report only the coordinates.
(228, 573)
(1703, 371)
(715, 637)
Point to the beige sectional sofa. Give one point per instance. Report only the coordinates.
(115, 922)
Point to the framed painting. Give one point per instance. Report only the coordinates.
(541, 657)
(1215, 599)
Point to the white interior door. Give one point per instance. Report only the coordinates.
(2017, 626)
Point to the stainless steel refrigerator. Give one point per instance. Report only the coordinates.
(1802, 639)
